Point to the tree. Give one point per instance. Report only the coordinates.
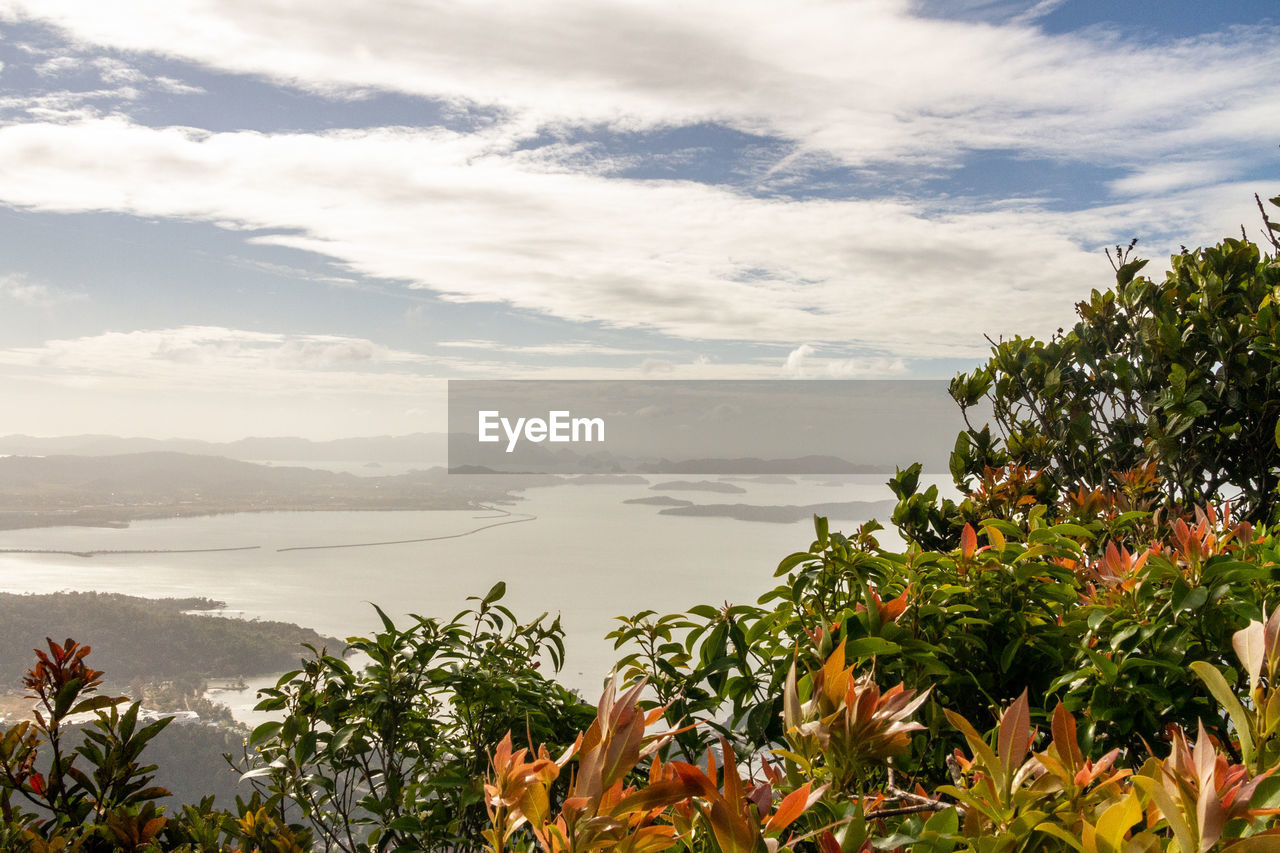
(1169, 390)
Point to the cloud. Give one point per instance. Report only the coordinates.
(94, 84)
(565, 348)
(1165, 176)
(804, 363)
(657, 367)
(554, 231)
(19, 289)
(440, 210)
(219, 359)
(796, 359)
(866, 82)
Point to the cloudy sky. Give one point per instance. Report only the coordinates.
(223, 218)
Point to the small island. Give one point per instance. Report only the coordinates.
(846, 511)
(699, 486)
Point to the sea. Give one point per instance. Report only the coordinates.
(577, 551)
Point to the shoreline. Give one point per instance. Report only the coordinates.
(42, 520)
(106, 551)
(506, 516)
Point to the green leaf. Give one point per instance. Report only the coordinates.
(1227, 699)
(496, 592)
(791, 561)
(1126, 272)
(96, 703)
(1194, 599)
(821, 528)
(1106, 666)
(386, 620)
(866, 647)
(1010, 652)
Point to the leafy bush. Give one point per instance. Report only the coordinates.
(1003, 795)
(1178, 377)
(393, 757)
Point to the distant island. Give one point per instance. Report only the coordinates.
(751, 465)
(659, 500)
(767, 479)
(846, 511)
(699, 486)
(606, 480)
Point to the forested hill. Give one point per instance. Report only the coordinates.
(147, 638)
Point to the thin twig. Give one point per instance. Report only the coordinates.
(931, 806)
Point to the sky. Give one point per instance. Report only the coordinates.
(224, 218)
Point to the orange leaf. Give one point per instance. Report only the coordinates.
(968, 542)
(792, 806)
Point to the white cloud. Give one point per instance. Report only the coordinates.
(867, 81)
(20, 289)
(115, 72)
(1166, 176)
(803, 362)
(57, 65)
(569, 348)
(440, 211)
(215, 358)
(174, 86)
(795, 363)
(471, 218)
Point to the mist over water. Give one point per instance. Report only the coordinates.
(584, 554)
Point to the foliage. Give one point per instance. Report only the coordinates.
(1179, 378)
(393, 756)
(847, 725)
(1033, 608)
(1012, 791)
(96, 796)
(680, 805)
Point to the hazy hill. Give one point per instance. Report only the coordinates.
(428, 449)
(111, 490)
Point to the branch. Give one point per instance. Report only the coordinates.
(919, 803)
(1270, 232)
(930, 806)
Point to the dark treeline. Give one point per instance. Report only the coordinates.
(150, 639)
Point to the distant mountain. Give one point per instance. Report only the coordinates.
(39, 491)
(426, 448)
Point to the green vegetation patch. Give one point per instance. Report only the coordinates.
(148, 638)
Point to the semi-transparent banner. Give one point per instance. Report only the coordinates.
(700, 426)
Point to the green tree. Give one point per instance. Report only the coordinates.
(1169, 390)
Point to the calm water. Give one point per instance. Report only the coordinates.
(585, 554)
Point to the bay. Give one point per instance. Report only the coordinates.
(576, 551)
